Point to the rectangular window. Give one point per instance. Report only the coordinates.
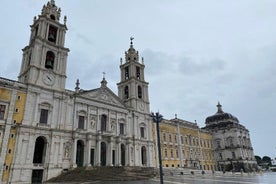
(182, 140)
(164, 137)
(103, 122)
(122, 129)
(16, 110)
(171, 153)
(43, 116)
(81, 122)
(142, 132)
(2, 112)
(175, 138)
(170, 137)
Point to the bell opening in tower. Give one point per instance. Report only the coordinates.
(50, 58)
(52, 35)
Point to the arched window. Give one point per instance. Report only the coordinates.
(103, 122)
(126, 92)
(126, 73)
(138, 72)
(139, 92)
(50, 58)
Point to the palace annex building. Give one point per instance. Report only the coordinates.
(46, 129)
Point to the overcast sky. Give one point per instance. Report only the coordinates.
(196, 52)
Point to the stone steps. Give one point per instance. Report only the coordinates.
(106, 174)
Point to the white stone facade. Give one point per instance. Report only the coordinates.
(64, 129)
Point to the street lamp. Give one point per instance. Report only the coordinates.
(157, 118)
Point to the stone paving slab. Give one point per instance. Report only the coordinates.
(266, 178)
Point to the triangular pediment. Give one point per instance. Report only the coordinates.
(102, 94)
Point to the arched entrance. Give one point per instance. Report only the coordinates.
(39, 151)
(39, 158)
(103, 154)
(144, 155)
(80, 152)
(123, 155)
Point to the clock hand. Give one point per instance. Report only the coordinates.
(49, 78)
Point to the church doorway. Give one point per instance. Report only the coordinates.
(103, 154)
(123, 155)
(80, 152)
(144, 155)
(39, 151)
(37, 176)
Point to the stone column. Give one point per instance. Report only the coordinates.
(127, 155)
(74, 154)
(117, 161)
(109, 152)
(151, 154)
(98, 151)
(119, 154)
(88, 152)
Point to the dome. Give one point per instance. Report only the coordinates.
(220, 116)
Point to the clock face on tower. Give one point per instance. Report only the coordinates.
(48, 79)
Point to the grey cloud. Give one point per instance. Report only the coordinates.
(189, 66)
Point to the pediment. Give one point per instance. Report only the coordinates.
(104, 95)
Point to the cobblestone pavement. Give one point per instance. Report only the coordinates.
(266, 178)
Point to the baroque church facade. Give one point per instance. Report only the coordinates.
(46, 129)
(63, 129)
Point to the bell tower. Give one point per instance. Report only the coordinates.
(45, 58)
(133, 89)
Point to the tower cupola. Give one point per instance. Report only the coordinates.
(51, 11)
(131, 54)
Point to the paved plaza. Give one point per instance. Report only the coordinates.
(265, 178)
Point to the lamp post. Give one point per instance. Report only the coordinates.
(157, 118)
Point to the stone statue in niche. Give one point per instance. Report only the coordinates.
(93, 122)
(67, 149)
(113, 126)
